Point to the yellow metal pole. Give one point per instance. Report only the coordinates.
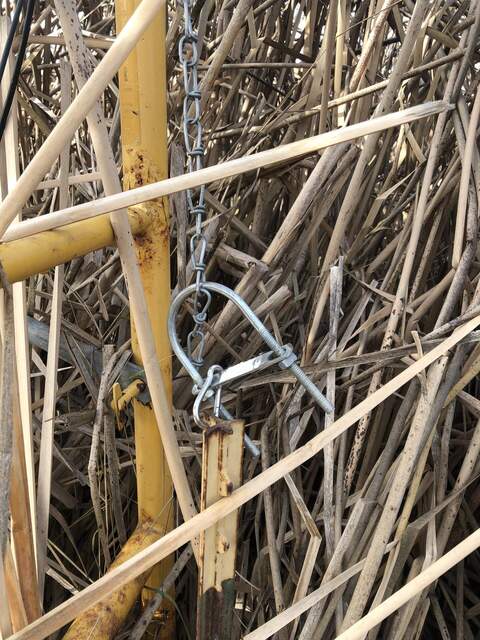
(38, 253)
(143, 111)
(104, 620)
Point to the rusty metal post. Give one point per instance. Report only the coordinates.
(143, 111)
(221, 474)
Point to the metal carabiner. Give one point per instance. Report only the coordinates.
(203, 394)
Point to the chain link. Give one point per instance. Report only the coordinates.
(192, 360)
(194, 149)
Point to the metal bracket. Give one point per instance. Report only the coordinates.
(254, 365)
(287, 359)
(258, 363)
(122, 398)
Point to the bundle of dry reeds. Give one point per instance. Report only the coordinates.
(358, 248)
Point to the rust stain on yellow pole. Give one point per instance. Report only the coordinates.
(143, 114)
(105, 619)
(38, 253)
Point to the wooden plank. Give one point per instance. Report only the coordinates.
(221, 475)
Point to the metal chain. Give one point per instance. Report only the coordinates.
(193, 140)
(192, 360)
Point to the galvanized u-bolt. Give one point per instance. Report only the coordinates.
(288, 359)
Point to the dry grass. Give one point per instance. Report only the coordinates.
(363, 256)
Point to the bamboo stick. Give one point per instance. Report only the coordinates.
(65, 612)
(211, 174)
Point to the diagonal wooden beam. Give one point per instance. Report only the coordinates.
(210, 174)
(65, 612)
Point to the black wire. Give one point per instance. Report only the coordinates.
(11, 34)
(18, 65)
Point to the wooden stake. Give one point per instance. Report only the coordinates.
(22, 532)
(221, 475)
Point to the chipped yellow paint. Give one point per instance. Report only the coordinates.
(105, 619)
(38, 253)
(142, 82)
(143, 112)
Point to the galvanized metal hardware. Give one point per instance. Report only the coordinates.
(254, 365)
(193, 141)
(204, 392)
(209, 389)
(216, 376)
